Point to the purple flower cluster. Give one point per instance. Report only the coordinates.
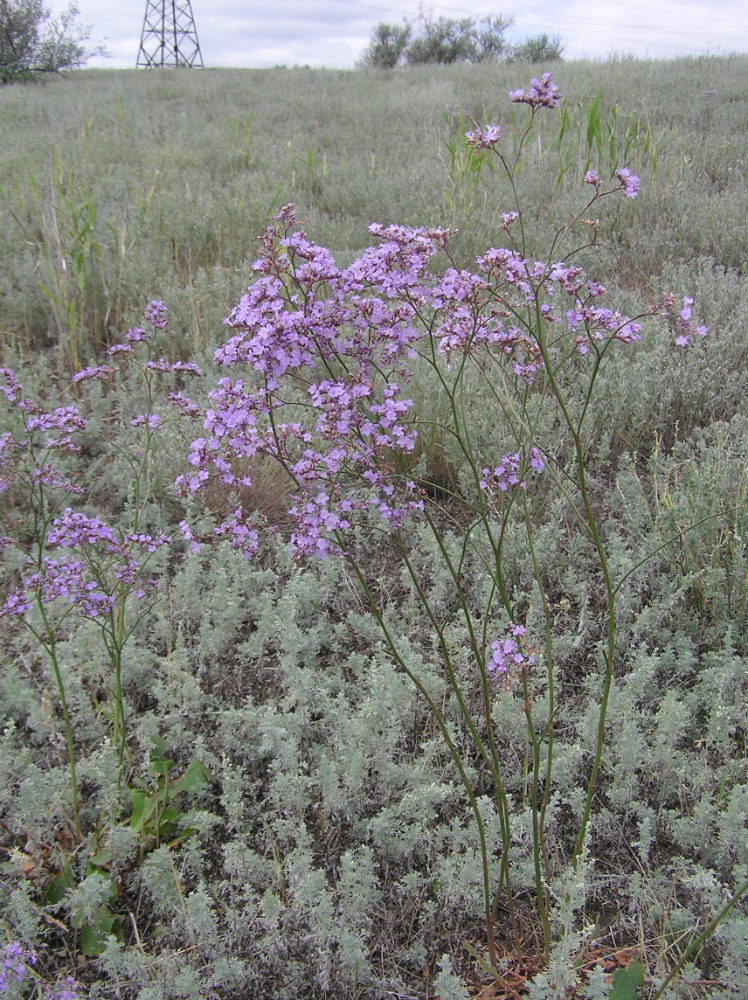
(509, 473)
(63, 991)
(15, 964)
(683, 320)
(539, 284)
(509, 653)
(150, 420)
(358, 326)
(28, 456)
(106, 567)
(319, 360)
(629, 182)
(87, 374)
(543, 93)
(10, 385)
(483, 138)
(156, 315)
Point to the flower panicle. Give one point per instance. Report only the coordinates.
(543, 93)
(509, 653)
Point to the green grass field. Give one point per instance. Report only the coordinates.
(229, 787)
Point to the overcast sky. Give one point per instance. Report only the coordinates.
(333, 33)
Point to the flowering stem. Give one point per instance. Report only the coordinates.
(114, 648)
(443, 728)
(591, 523)
(42, 519)
(540, 848)
(541, 891)
(49, 646)
(551, 714)
(491, 759)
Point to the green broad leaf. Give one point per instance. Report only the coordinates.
(151, 807)
(167, 818)
(195, 776)
(101, 858)
(58, 887)
(161, 765)
(594, 124)
(138, 804)
(94, 935)
(626, 982)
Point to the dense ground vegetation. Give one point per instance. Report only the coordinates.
(225, 785)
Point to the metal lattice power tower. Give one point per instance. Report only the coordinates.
(169, 36)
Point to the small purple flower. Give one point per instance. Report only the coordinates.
(185, 406)
(16, 604)
(629, 182)
(543, 93)
(64, 418)
(148, 542)
(101, 372)
(186, 532)
(484, 138)
(63, 991)
(507, 474)
(151, 419)
(155, 314)
(73, 529)
(509, 652)
(536, 460)
(504, 475)
(12, 387)
(15, 964)
(683, 321)
(591, 177)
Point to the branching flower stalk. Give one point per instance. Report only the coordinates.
(78, 564)
(317, 368)
(27, 466)
(454, 753)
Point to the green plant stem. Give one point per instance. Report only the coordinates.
(541, 892)
(591, 523)
(492, 759)
(609, 657)
(443, 728)
(50, 646)
(42, 519)
(539, 815)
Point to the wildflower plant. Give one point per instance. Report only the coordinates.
(67, 562)
(318, 367)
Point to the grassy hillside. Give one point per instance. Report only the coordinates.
(497, 751)
(159, 187)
